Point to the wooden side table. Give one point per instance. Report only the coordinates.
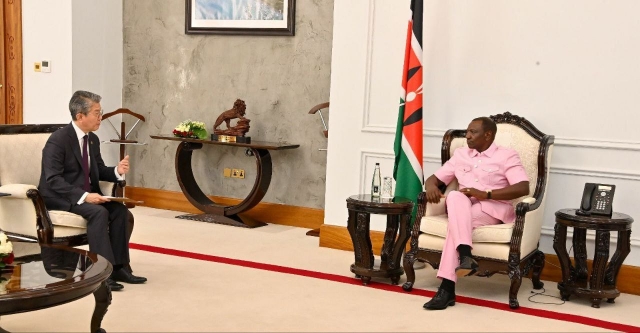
(576, 280)
(398, 211)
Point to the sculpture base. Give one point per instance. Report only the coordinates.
(234, 220)
(230, 138)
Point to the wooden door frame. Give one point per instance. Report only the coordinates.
(11, 77)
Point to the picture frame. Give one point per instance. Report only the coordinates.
(240, 17)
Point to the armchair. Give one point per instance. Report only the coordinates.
(23, 215)
(504, 248)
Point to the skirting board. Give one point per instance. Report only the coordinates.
(337, 237)
(302, 217)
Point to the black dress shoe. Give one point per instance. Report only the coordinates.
(123, 275)
(441, 300)
(113, 285)
(467, 267)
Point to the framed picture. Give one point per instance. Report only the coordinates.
(241, 17)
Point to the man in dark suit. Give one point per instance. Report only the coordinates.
(71, 170)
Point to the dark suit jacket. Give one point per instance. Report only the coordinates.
(62, 177)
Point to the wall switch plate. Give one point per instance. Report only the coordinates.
(37, 67)
(227, 172)
(46, 66)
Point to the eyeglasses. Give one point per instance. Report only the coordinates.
(97, 114)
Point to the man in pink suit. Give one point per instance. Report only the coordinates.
(489, 176)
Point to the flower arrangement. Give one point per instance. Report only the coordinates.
(191, 129)
(6, 251)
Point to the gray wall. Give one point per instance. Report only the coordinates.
(170, 77)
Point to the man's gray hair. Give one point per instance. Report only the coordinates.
(81, 101)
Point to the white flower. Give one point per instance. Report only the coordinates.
(5, 245)
(3, 286)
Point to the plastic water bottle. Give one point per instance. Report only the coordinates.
(376, 183)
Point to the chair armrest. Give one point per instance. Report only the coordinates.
(440, 208)
(436, 209)
(17, 191)
(529, 200)
(109, 188)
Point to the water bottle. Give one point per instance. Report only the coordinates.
(376, 182)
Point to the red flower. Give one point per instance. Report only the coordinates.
(8, 259)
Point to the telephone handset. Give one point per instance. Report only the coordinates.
(596, 200)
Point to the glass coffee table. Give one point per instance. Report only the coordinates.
(55, 276)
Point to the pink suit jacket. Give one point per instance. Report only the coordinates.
(495, 168)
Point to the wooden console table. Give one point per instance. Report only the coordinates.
(602, 282)
(216, 213)
(398, 211)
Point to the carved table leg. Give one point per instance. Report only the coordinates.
(599, 264)
(386, 254)
(580, 254)
(401, 242)
(216, 213)
(622, 250)
(103, 300)
(358, 226)
(560, 246)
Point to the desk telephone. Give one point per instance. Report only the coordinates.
(596, 200)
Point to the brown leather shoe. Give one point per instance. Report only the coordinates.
(467, 267)
(441, 300)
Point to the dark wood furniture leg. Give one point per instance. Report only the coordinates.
(599, 264)
(103, 300)
(400, 244)
(358, 226)
(389, 239)
(622, 250)
(560, 246)
(581, 274)
(213, 212)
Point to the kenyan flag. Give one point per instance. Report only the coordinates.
(408, 144)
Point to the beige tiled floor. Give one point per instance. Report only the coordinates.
(187, 295)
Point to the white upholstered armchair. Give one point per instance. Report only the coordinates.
(503, 248)
(23, 215)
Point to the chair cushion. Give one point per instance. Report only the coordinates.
(67, 219)
(499, 233)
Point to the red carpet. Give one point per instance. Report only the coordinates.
(417, 292)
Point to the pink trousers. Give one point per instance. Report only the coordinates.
(465, 214)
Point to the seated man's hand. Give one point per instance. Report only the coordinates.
(95, 198)
(123, 166)
(433, 194)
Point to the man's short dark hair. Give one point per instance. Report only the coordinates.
(488, 125)
(81, 101)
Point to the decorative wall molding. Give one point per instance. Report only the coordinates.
(430, 132)
(368, 61)
(559, 141)
(365, 154)
(599, 144)
(575, 171)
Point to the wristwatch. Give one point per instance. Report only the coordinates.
(488, 194)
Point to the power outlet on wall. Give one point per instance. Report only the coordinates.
(237, 173)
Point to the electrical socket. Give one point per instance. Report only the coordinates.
(237, 173)
(226, 172)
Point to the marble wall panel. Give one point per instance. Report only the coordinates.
(169, 77)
